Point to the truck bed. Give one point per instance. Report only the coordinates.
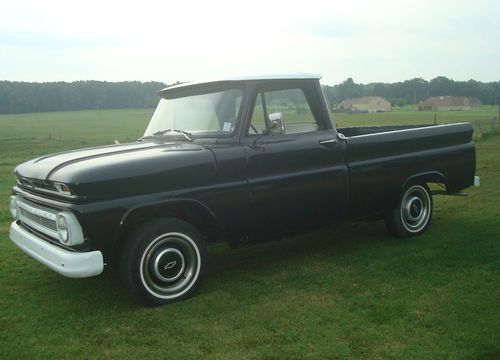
(369, 130)
(381, 159)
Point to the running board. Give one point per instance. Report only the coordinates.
(444, 192)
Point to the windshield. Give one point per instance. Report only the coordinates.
(209, 114)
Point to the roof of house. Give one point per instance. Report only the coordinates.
(439, 101)
(180, 88)
(474, 101)
(361, 100)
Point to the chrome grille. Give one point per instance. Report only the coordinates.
(48, 223)
(38, 217)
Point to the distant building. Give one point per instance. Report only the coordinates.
(446, 103)
(365, 104)
(474, 102)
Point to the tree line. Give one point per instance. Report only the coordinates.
(415, 90)
(24, 97)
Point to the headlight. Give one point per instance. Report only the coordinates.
(69, 230)
(62, 228)
(14, 208)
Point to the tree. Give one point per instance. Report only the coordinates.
(22, 97)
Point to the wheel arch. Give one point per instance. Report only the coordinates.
(426, 177)
(189, 210)
(435, 177)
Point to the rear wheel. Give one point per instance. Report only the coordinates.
(163, 262)
(412, 214)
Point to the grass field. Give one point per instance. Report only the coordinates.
(348, 291)
(480, 118)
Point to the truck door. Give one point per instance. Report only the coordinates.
(294, 162)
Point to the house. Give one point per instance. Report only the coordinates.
(445, 103)
(365, 104)
(475, 102)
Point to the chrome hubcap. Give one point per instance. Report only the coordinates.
(170, 265)
(415, 208)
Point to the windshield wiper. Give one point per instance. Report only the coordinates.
(162, 132)
(185, 133)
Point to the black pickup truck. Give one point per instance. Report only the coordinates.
(227, 160)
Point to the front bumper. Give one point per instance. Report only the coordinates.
(64, 262)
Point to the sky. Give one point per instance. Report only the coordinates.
(168, 41)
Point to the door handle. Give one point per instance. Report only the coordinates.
(328, 142)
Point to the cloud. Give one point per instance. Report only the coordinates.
(54, 41)
(387, 40)
(329, 28)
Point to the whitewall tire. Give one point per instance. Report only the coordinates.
(163, 261)
(412, 214)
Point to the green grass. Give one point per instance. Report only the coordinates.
(479, 117)
(348, 291)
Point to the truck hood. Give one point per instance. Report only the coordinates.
(123, 169)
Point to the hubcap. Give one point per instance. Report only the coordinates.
(170, 265)
(415, 208)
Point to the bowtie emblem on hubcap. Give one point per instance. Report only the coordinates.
(170, 265)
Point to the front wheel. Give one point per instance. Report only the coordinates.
(163, 262)
(412, 214)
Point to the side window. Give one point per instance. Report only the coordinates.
(293, 106)
(258, 123)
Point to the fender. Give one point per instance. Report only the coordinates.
(429, 176)
(190, 210)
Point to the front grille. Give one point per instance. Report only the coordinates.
(38, 217)
(47, 223)
(35, 183)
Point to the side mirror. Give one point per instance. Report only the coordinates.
(277, 125)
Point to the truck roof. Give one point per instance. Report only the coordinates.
(179, 89)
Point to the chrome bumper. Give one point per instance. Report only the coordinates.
(64, 262)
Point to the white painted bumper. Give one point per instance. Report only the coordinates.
(67, 263)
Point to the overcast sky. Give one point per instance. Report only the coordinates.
(166, 41)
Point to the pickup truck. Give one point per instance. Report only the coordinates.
(233, 160)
